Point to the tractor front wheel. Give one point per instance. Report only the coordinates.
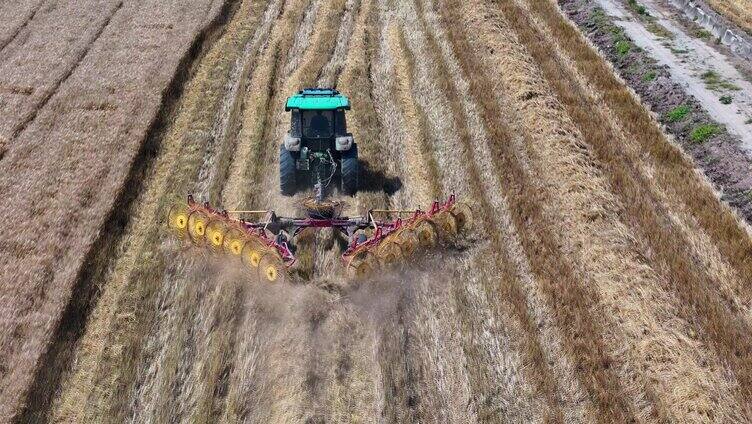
(350, 170)
(287, 183)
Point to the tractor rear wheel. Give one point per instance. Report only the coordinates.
(350, 170)
(287, 183)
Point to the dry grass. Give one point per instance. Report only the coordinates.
(364, 123)
(602, 384)
(66, 208)
(642, 314)
(35, 63)
(181, 153)
(596, 289)
(717, 325)
(541, 340)
(421, 167)
(458, 142)
(19, 13)
(738, 11)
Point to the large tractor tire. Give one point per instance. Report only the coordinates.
(350, 171)
(287, 181)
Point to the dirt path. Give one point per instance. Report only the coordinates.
(690, 60)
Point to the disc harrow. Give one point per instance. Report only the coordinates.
(265, 246)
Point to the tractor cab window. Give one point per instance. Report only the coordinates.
(318, 123)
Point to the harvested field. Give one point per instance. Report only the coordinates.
(603, 280)
(739, 11)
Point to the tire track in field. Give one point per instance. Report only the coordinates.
(113, 330)
(14, 33)
(40, 103)
(716, 324)
(570, 303)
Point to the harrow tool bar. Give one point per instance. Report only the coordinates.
(265, 245)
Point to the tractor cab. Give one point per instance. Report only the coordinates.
(317, 149)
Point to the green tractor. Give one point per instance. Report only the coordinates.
(317, 150)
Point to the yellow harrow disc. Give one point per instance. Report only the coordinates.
(215, 234)
(362, 265)
(197, 221)
(234, 241)
(426, 233)
(446, 223)
(271, 268)
(389, 252)
(408, 241)
(463, 215)
(252, 252)
(177, 219)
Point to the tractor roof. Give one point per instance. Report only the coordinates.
(318, 99)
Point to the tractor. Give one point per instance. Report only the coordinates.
(318, 149)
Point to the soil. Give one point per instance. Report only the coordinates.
(723, 157)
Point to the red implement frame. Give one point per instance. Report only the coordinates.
(262, 230)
